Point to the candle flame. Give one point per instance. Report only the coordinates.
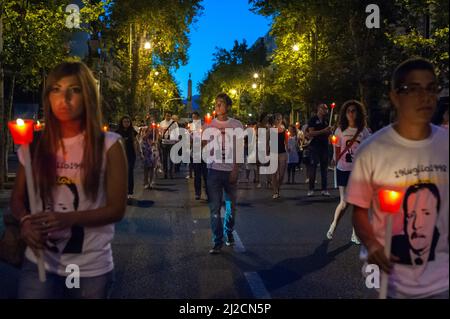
(393, 195)
(20, 122)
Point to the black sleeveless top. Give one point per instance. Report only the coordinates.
(281, 146)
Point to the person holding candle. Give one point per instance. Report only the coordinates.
(222, 176)
(411, 158)
(168, 129)
(351, 132)
(129, 135)
(293, 153)
(278, 176)
(200, 169)
(318, 131)
(149, 153)
(79, 173)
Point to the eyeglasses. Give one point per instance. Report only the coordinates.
(416, 89)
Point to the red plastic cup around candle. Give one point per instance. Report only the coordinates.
(333, 105)
(390, 200)
(21, 131)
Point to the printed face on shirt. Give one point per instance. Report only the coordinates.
(416, 105)
(421, 218)
(66, 99)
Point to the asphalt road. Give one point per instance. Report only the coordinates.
(161, 247)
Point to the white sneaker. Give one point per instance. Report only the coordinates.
(146, 186)
(310, 193)
(355, 240)
(275, 196)
(325, 193)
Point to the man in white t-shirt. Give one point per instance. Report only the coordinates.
(411, 156)
(223, 176)
(168, 130)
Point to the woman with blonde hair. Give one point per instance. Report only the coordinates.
(79, 176)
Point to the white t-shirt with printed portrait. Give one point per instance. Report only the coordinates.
(418, 170)
(345, 163)
(87, 247)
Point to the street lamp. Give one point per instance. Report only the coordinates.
(147, 45)
(254, 85)
(156, 73)
(295, 47)
(233, 91)
(256, 75)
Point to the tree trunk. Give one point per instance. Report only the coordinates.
(2, 113)
(134, 68)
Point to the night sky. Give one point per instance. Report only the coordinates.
(222, 22)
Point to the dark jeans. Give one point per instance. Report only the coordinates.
(218, 187)
(319, 155)
(166, 161)
(200, 170)
(131, 163)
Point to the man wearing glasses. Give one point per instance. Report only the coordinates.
(409, 152)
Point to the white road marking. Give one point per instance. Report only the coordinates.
(257, 287)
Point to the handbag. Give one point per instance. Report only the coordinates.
(12, 246)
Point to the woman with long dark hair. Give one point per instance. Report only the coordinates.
(128, 133)
(351, 132)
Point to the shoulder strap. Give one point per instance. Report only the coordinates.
(165, 131)
(349, 145)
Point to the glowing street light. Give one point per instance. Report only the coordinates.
(295, 47)
(233, 91)
(156, 73)
(254, 85)
(147, 45)
(256, 75)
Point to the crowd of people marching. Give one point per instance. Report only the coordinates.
(80, 169)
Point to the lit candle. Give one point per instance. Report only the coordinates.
(105, 128)
(153, 128)
(390, 203)
(38, 126)
(333, 105)
(22, 133)
(208, 118)
(334, 139)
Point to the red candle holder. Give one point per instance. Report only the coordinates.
(390, 200)
(208, 118)
(21, 131)
(38, 126)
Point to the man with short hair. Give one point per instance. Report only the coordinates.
(222, 177)
(318, 131)
(168, 131)
(411, 157)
